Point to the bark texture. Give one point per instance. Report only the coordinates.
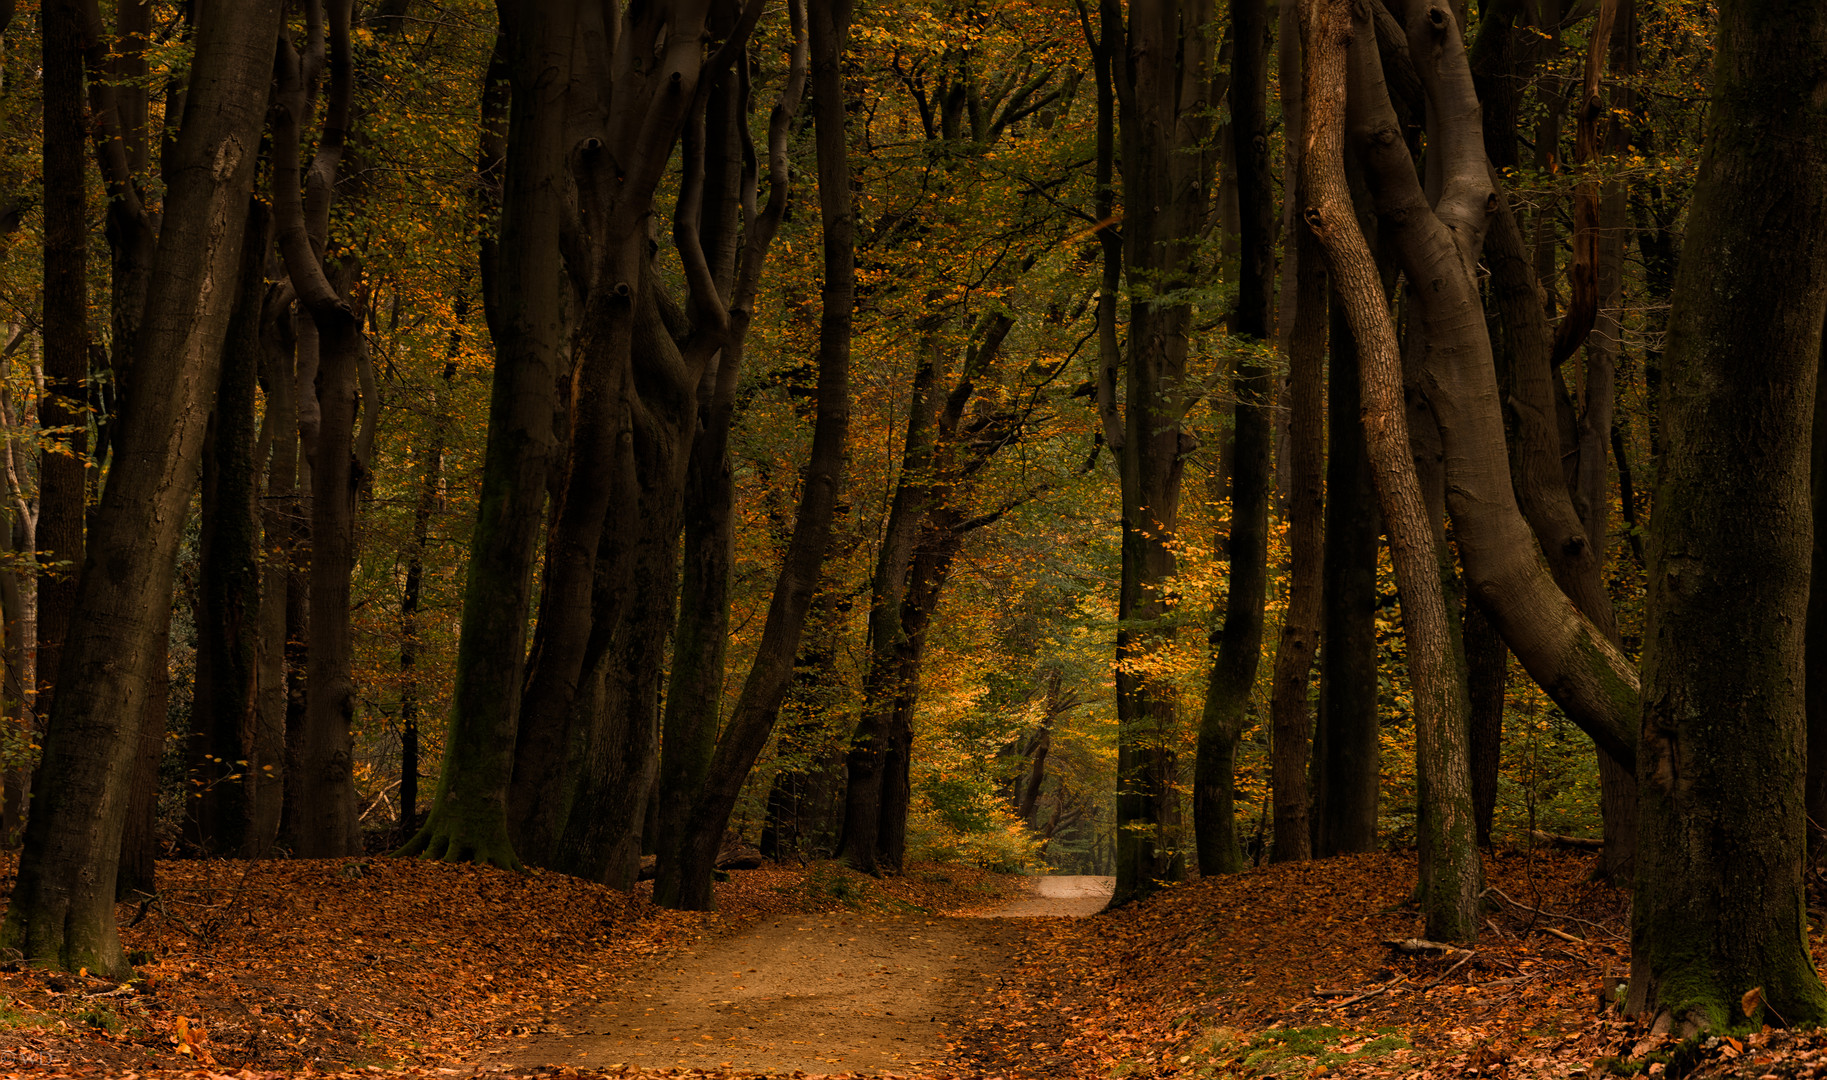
(62, 909)
(1450, 883)
(468, 820)
(752, 718)
(1719, 905)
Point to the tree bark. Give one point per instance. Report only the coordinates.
(869, 744)
(61, 913)
(223, 718)
(325, 823)
(1305, 484)
(1487, 665)
(752, 719)
(469, 815)
(1162, 69)
(62, 479)
(1451, 889)
(138, 874)
(1720, 910)
(1347, 751)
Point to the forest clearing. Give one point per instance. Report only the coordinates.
(1285, 971)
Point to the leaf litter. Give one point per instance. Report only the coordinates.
(353, 967)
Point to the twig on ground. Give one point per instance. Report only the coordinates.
(1600, 927)
(1469, 953)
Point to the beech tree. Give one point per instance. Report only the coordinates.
(62, 909)
(1719, 911)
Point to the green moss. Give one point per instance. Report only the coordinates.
(103, 1018)
(1289, 1053)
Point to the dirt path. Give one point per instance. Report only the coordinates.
(843, 992)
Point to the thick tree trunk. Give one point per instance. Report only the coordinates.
(1451, 884)
(139, 836)
(469, 815)
(600, 434)
(1814, 653)
(1720, 911)
(752, 719)
(62, 909)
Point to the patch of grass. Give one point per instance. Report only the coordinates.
(103, 1018)
(1292, 1052)
(13, 1018)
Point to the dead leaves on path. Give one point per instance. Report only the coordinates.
(328, 964)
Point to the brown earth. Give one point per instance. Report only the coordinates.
(838, 992)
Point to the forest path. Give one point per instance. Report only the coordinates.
(833, 992)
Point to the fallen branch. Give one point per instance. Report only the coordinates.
(1577, 843)
(1418, 946)
(1449, 971)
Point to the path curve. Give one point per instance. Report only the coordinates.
(837, 992)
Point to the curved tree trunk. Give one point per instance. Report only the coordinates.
(1451, 887)
(686, 876)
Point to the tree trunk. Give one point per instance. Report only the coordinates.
(1720, 910)
(431, 500)
(469, 817)
(1238, 644)
(884, 683)
(280, 590)
(599, 445)
(1162, 67)
(746, 732)
(16, 784)
(325, 823)
(140, 836)
(1451, 885)
(223, 718)
(62, 909)
(1487, 665)
(1347, 750)
(1566, 511)
(1304, 481)
(1814, 652)
(62, 479)
(799, 795)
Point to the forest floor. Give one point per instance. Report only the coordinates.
(360, 966)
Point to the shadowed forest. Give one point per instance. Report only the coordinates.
(1075, 537)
